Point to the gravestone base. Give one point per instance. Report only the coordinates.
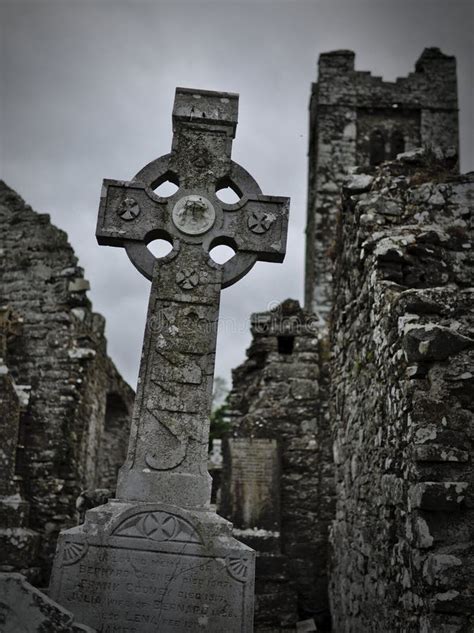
(147, 567)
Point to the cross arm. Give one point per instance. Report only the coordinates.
(129, 210)
(257, 226)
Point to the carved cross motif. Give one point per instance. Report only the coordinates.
(167, 457)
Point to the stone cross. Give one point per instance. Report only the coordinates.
(167, 457)
(157, 558)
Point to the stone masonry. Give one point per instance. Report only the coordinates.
(395, 368)
(402, 408)
(18, 544)
(278, 394)
(359, 119)
(71, 430)
(24, 609)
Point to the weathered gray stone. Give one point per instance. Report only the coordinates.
(430, 342)
(274, 399)
(357, 119)
(69, 426)
(254, 494)
(401, 406)
(155, 567)
(79, 285)
(178, 361)
(358, 183)
(156, 558)
(18, 543)
(306, 626)
(24, 609)
(441, 496)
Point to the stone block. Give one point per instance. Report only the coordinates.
(439, 453)
(306, 626)
(260, 540)
(18, 546)
(78, 285)
(304, 389)
(358, 183)
(82, 353)
(13, 511)
(24, 609)
(433, 343)
(438, 496)
(392, 489)
(437, 567)
(452, 601)
(155, 567)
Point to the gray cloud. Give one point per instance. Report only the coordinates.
(87, 91)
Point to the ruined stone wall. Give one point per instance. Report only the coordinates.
(10, 418)
(359, 119)
(278, 393)
(60, 353)
(19, 545)
(402, 394)
(10, 408)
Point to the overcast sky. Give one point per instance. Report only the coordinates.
(87, 89)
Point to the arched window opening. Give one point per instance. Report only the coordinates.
(114, 441)
(377, 148)
(116, 413)
(397, 144)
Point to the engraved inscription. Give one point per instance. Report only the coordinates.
(146, 591)
(181, 375)
(255, 483)
(253, 460)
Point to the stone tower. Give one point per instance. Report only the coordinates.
(359, 119)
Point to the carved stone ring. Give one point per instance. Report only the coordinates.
(194, 215)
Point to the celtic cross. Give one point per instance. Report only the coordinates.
(167, 455)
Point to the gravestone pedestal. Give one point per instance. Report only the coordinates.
(151, 567)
